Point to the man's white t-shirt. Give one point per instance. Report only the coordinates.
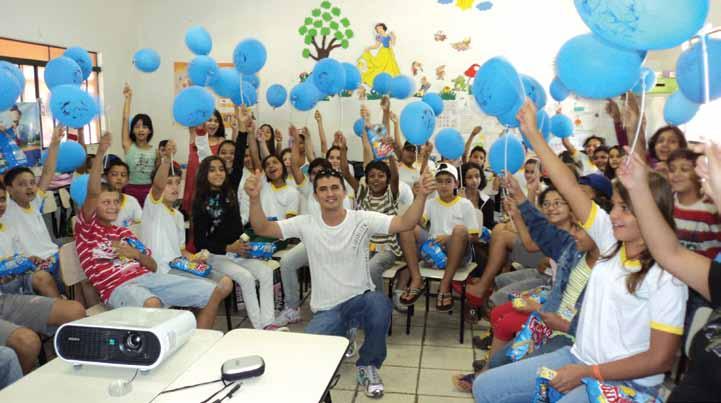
(444, 216)
(130, 212)
(163, 231)
(615, 324)
(30, 227)
(337, 256)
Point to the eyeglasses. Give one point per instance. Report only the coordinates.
(555, 203)
(328, 172)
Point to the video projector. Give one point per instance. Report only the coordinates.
(140, 338)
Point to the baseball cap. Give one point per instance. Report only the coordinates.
(599, 183)
(449, 169)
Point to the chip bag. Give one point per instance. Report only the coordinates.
(602, 393)
(539, 295)
(531, 336)
(433, 254)
(545, 393)
(262, 250)
(136, 244)
(381, 150)
(183, 264)
(15, 265)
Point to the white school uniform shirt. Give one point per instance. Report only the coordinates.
(409, 175)
(278, 202)
(9, 241)
(337, 256)
(163, 231)
(587, 166)
(130, 212)
(309, 204)
(615, 324)
(30, 227)
(405, 194)
(444, 216)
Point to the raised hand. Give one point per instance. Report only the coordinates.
(613, 110)
(386, 103)
(427, 184)
(394, 118)
(106, 141)
(278, 135)
(339, 140)
(527, 118)
(58, 134)
(254, 184)
(318, 116)
(476, 130)
(513, 189)
(633, 171)
(127, 91)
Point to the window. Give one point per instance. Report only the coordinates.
(32, 58)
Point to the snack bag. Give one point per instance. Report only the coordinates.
(532, 336)
(485, 235)
(539, 295)
(433, 254)
(262, 250)
(202, 255)
(602, 393)
(381, 150)
(15, 265)
(136, 244)
(545, 393)
(183, 264)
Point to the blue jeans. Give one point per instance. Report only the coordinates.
(9, 367)
(371, 311)
(517, 382)
(555, 343)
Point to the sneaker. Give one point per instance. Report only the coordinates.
(352, 347)
(370, 379)
(287, 317)
(397, 305)
(275, 328)
(482, 343)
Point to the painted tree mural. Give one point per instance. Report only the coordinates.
(324, 30)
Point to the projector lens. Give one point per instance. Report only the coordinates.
(133, 341)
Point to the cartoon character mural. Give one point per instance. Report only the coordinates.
(440, 36)
(384, 60)
(463, 45)
(324, 30)
(441, 72)
(416, 67)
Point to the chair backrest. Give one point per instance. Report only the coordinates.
(70, 271)
(700, 317)
(49, 205)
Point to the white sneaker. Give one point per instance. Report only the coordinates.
(352, 346)
(288, 316)
(275, 328)
(370, 379)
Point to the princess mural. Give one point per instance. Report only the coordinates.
(383, 61)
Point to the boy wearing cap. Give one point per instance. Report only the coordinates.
(453, 223)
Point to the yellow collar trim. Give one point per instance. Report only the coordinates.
(283, 186)
(450, 203)
(629, 263)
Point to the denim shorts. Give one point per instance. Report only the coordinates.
(170, 289)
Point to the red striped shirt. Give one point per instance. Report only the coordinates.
(698, 227)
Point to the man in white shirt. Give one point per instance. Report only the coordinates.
(337, 242)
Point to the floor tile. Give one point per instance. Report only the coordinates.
(399, 379)
(447, 337)
(399, 336)
(387, 398)
(439, 399)
(447, 358)
(403, 355)
(443, 319)
(342, 396)
(438, 382)
(347, 379)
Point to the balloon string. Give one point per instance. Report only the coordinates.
(340, 110)
(704, 56)
(641, 114)
(242, 101)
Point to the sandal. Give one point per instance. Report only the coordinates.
(464, 383)
(444, 301)
(411, 295)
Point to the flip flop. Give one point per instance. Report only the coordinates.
(411, 295)
(440, 302)
(464, 383)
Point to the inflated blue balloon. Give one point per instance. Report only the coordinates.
(198, 40)
(71, 156)
(9, 89)
(644, 24)
(276, 95)
(559, 92)
(544, 126)
(328, 76)
(358, 126)
(449, 143)
(508, 119)
(506, 153)
(252, 79)
(62, 70)
(647, 80)
(79, 189)
(402, 87)
(146, 60)
(690, 72)
(534, 91)
(497, 87)
(417, 122)
(305, 96)
(595, 69)
(226, 82)
(352, 77)
(382, 83)
(435, 101)
(201, 70)
(193, 106)
(245, 94)
(72, 106)
(82, 58)
(679, 110)
(561, 126)
(15, 71)
(249, 56)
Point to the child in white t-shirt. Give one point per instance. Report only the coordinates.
(116, 175)
(279, 200)
(453, 222)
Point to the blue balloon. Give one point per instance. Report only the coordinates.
(146, 60)
(402, 87)
(71, 156)
(644, 24)
(435, 101)
(249, 56)
(358, 126)
(328, 76)
(82, 58)
(15, 71)
(252, 79)
(79, 189)
(690, 72)
(276, 95)
(561, 126)
(352, 77)
(497, 87)
(417, 122)
(9, 89)
(305, 96)
(544, 126)
(198, 40)
(679, 110)
(226, 82)
(72, 106)
(559, 92)
(62, 70)
(534, 91)
(382, 83)
(508, 119)
(201, 70)
(647, 80)
(245, 94)
(449, 143)
(506, 153)
(594, 69)
(193, 106)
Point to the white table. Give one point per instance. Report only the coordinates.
(298, 367)
(58, 381)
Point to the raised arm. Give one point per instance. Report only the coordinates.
(367, 151)
(296, 157)
(127, 98)
(51, 162)
(321, 132)
(96, 172)
(395, 177)
(253, 148)
(202, 144)
(258, 220)
(413, 214)
(469, 142)
(520, 225)
(562, 177)
(161, 175)
(341, 141)
(309, 151)
(386, 107)
(397, 145)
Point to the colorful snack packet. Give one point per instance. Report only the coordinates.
(381, 150)
(15, 265)
(262, 250)
(433, 254)
(545, 393)
(531, 336)
(136, 244)
(183, 264)
(603, 393)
